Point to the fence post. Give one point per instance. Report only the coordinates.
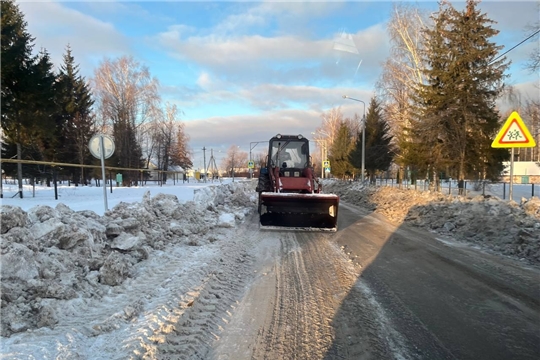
(55, 186)
(111, 179)
(504, 190)
(532, 189)
(484, 188)
(449, 187)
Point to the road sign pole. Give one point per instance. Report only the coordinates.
(511, 174)
(513, 134)
(102, 148)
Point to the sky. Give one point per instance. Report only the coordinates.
(244, 71)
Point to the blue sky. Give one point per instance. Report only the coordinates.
(244, 71)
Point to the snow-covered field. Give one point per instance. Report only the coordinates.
(91, 197)
(500, 190)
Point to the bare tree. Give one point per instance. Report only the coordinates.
(533, 65)
(402, 72)
(529, 110)
(235, 160)
(331, 121)
(326, 134)
(126, 98)
(167, 136)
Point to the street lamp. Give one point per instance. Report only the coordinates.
(363, 135)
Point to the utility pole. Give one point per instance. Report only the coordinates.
(204, 159)
(212, 167)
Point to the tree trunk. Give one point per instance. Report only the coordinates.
(19, 169)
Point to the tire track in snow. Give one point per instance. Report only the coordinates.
(200, 318)
(310, 281)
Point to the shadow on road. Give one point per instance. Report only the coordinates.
(416, 297)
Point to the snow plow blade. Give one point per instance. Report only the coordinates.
(293, 211)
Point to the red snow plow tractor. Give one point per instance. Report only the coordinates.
(290, 196)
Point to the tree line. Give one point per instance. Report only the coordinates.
(435, 112)
(51, 115)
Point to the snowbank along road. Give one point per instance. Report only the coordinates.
(407, 276)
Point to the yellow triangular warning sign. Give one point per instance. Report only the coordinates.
(513, 134)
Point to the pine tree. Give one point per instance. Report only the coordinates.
(340, 150)
(17, 60)
(379, 153)
(26, 85)
(45, 107)
(75, 120)
(458, 113)
(179, 151)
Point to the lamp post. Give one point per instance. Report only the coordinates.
(251, 147)
(363, 136)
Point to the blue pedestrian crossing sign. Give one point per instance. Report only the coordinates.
(251, 164)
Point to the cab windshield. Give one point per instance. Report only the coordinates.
(288, 153)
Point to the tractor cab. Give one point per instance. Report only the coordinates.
(289, 193)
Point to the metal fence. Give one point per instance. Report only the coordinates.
(470, 188)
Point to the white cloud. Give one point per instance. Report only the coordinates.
(54, 26)
(233, 129)
(287, 58)
(287, 13)
(204, 81)
(243, 129)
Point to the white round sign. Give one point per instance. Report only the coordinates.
(95, 147)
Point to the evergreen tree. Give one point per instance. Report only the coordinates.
(75, 121)
(179, 151)
(379, 154)
(458, 114)
(26, 85)
(340, 150)
(45, 108)
(16, 64)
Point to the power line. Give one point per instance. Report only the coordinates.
(515, 46)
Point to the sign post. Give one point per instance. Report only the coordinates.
(102, 147)
(326, 166)
(513, 134)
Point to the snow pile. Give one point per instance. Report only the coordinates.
(506, 227)
(50, 255)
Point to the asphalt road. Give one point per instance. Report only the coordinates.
(445, 300)
(376, 291)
